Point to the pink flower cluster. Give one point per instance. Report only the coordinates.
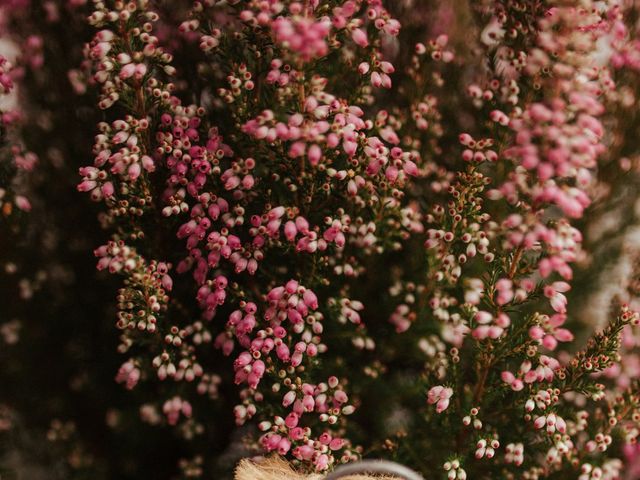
(233, 220)
(18, 160)
(440, 396)
(302, 35)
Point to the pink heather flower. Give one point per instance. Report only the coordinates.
(441, 396)
(23, 203)
(128, 374)
(492, 33)
(504, 287)
(302, 35)
(486, 448)
(322, 462)
(359, 36)
(483, 318)
(509, 378)
(549, 333)
(514, 454)
(555, 293)
(175, 406)
(551, 423)
(488, 326)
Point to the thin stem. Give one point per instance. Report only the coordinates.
(515, 261)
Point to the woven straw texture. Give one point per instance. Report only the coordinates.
(277, 469)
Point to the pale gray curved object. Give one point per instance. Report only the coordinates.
(374, 466)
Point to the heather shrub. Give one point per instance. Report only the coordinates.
(324, 230)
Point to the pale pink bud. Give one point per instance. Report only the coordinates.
(276, 212)
(284, 446)
(167, 282)
(563, 335)
(536, 332)
(308, 403)
(336, 444)
(340, 396)
(481, 332)
(359, 36)
(107, 189)
(282, 351)
(442, 405)
(127, 71)
(314, 154)
(87, 185)
(550, 342)
(539, 422)
(376, 79)
(483, 317)
(322, 462)
(561, 425)
(410, 168)
(363, 68)
(23, 203)
(559, 303)
(387, 67)
(291, 420)
(296, 359)
(494, 332)
(288, 398)
(352, 188)
(503, 320)
(134, 171)
(517, 385)
(507, 377)
(310, 299)
(290, 231)
(271, 441)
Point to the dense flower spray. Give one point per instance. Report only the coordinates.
(15, 161)
(352, 238)
(242, 205)
(254, 194)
